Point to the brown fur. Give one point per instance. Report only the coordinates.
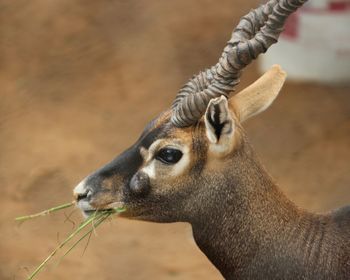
(241, 220)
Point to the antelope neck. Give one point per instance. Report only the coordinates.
(246, 221)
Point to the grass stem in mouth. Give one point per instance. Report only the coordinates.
(94, 224)
(45, 212)
(95, 219)
(72, 235)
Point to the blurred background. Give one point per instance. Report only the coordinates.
(79, 81)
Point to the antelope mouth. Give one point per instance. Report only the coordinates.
(87, 210)
(88, 213)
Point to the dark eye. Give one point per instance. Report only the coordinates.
(169, 156)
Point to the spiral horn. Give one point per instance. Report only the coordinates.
(254, 34)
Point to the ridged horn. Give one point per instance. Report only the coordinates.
(254, 34)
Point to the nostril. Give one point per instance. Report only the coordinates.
(87, 195)
(81, 196)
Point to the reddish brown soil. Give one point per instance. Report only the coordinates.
(80, 79)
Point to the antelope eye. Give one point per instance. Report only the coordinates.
(169, 155)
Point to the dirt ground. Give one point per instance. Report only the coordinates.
(80, 79)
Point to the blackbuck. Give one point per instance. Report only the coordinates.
(194, 164)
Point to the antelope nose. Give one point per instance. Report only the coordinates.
(81, 192)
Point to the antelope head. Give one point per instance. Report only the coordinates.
(184, 154)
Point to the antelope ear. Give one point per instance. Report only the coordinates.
(219, 123)
(258, 96)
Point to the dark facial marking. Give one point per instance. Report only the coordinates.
(126, 163)
(124, 169)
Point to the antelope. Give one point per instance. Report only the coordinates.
(193, 163)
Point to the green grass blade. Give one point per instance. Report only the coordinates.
(118, 210)
(96, 223)
(45, 212)
(95, 219)
(79, 229)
